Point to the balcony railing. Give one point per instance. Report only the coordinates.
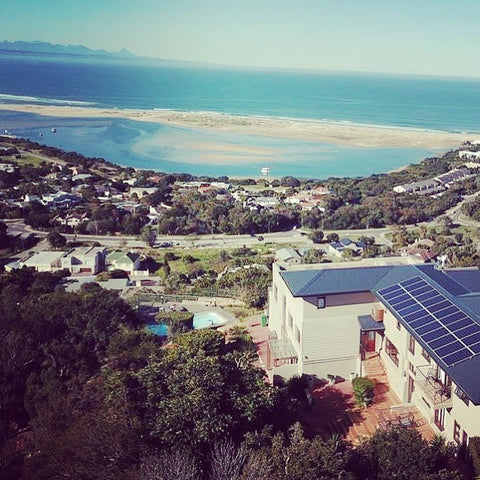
(433, 389)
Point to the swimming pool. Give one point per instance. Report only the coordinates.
(208, 320)
(200, 321)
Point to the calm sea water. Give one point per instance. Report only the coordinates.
(425, 103)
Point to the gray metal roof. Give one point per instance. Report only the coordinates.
(329, 281)
(368, 324)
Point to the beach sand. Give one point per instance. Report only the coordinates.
(334, 133)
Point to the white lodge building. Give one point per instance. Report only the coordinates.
(424, 323)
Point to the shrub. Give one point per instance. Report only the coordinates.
(363, 390)
(177, 322)
(474, 449)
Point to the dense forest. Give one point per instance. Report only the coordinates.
(87, 393)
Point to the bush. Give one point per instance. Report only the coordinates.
(474, 449)
(296, 387)
(363, 390)
(317, 236)
(177, 322)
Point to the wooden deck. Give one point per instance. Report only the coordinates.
(333, 406)
(387, 409)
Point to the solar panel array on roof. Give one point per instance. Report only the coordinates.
(446, 329)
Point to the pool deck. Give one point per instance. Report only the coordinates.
(199, 308)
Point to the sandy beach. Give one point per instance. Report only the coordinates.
(335, 133)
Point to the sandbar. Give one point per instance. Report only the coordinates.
(345, 134)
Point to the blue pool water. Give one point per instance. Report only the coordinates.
(200, 321)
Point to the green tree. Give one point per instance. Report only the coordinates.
(56, 240)
(317, 236)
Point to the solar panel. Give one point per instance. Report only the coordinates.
(430, 335)
(446, 312)
(422, 321)
(433, 299)
(453, 318)
(472, 339)
(450, 348)
(415, 315)
(459, 324)
(400, 298)
(465, 332)
(389, 290)
(420, 290)
(440, 306)
(410, 309)
(412, 281)
(442, 341)
(456, 357)
(448, 332)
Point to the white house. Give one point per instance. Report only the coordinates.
(338, 248)
(44, 261)
(130, 262)
(84, 260)
(423, 322)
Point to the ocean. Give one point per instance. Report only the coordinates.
(427, 103)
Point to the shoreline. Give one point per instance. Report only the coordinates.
(339, 133)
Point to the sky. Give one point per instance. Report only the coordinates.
(432, 37)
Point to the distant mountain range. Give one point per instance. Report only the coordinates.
(55, 49)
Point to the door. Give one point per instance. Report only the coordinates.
(369, 341)
(411, 388)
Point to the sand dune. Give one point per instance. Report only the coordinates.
(335, 133)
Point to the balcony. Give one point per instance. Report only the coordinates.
(434, 391)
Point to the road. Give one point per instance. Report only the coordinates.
(297, 237)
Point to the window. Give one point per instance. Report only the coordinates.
(411, 367)
(290, 320)
(297, 335)
(461, 395)
(465, 438)
(399, 327)
(391, 351)
(320, 302)
(439, 418)
(411, 345)
(456, 432)
(425, 355)
(275, 292)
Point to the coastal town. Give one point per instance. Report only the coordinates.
(239, 240)
(318, 309)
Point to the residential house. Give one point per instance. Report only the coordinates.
(84, 260)
(72, 220)
(422, 187)
(423, 322)
(43, 261)
(290, 256)
(255, 203)
(338, 248)
(130, 262)
(468, 155)
(454, 176)
(142, 191)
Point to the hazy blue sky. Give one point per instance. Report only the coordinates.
(438, 37)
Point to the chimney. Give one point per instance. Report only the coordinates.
(377, 314)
